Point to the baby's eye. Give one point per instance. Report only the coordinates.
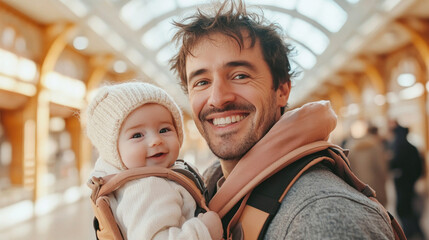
(164, 130)
(137, 135)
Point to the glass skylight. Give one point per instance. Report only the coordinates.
(280, 18)
(307, 24)
(137, 13)
(308, 35)
(165, 54)
(329, 14)
(288, 4)
(186, 3)
(158, 35)
(353, 1)
(304, 57)
(326, 12)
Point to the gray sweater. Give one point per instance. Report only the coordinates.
(320, 205)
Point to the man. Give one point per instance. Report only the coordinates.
(368, 159)
(236, 71)
(407, 167)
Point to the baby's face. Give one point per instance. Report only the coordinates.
(148, 137)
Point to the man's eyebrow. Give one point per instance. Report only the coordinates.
(241, 64)
(196, 73)
(229, 64)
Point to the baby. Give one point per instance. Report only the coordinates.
(137, 124)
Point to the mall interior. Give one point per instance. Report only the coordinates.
(369, 58)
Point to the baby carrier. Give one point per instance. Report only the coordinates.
(251, 202)
(105, 224)
(256, 194)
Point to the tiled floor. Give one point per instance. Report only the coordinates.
(74, 222)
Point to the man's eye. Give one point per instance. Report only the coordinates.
(164, 130)
(240, 76)
(137, 135)
(201, 83)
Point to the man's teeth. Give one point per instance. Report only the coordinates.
(227, 120)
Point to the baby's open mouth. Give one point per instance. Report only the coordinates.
(157, 155)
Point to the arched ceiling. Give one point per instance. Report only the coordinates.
(310, 25)
(324, 33)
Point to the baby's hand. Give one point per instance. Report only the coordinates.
(213, 223)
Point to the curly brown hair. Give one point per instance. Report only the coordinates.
(231, 22)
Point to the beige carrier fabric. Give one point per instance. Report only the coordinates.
(103, 186)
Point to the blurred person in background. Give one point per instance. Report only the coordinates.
(368, 159)
(406, 165)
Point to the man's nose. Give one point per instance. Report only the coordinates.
(221, 93)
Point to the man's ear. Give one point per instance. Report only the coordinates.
(283, 93)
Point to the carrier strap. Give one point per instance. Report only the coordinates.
(261, 205)
(258, 208)
(102, 186)
(105, 224)
(268, 196)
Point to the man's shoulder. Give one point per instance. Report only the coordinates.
(321, 205)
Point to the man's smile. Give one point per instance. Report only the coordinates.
(223, 121)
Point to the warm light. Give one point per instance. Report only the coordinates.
(29, 141)
(8, 36)
(358, 129)
(13, 85)
(353, 109)
(379, 100)
(120, 66)
(392, 97)
(8, 63)
(80, 43)
(98, 25)
(412, 92)
(77, 7)
(56, 124)
(19, 67)
(27, 70)
(5, 153)
(66, 85)
(65, 90)
(406, 79)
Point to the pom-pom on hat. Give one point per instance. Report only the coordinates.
(110, 107)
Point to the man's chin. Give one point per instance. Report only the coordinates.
(229, 153)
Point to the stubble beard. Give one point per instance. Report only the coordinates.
(234, 149)
(230, 149)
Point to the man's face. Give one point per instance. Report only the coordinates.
(231, 94)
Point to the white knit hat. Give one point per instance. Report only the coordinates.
(111, 106)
